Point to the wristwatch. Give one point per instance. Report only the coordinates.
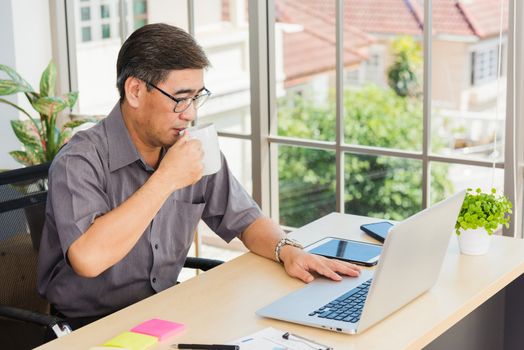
(285, 241)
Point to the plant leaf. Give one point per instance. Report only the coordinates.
(48, 80)
(9, 87)
(26, 134)
(49, 105)
(16, 78)
(21, 157)
(71, 98)
(64, 137)
(32, 96)
(78, 122)
(35, 154)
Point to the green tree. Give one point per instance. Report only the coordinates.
(404, 74)
(376, 186)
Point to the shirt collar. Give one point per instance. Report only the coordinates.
(122, 150)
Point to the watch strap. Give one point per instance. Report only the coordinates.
(285, 241)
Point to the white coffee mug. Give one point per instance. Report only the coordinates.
(207, 134)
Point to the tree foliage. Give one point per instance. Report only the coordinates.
(377, 186)
(404, 74)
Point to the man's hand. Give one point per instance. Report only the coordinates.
(300, 264)
(182, 163)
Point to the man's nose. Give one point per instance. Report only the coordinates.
(189, 114)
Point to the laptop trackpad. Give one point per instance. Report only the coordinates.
(297, 305)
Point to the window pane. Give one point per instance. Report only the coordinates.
(96, 64)
(86, 34)
(104, 11)
(238, 156)
(173, 12)
(383, 187)
(464, 84)
(139, 7)
(447, 179)
(85, 13)
(139, 23)
(305, 63)
(306, 184)
(106, 31)
(221, 28)
(383, 65)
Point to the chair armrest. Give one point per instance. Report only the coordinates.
(201, 263)
(56, 324)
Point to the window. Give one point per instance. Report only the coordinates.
(384, 165)
(380, 141)
(86, 34)
(106, 31)
(139, 7)
(104, 11)
(85, 13)
(139, 13)
(484, 66)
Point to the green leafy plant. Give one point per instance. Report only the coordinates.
(405, 72)
(41, 137)
(483, 210)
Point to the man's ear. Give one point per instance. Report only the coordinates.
(133, 88)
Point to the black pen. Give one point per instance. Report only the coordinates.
(206, 346)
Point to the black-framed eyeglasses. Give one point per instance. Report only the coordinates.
(181, 104)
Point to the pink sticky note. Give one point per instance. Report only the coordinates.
(161, 329)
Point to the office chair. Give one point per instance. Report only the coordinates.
(24, 315)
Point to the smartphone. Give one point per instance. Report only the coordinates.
(356, 252)
(377, 230)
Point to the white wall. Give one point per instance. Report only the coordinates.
(7, 57)
(25, 38)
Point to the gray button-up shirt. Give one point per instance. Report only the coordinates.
(93, 174)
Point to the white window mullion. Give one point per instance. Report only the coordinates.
(513, 174)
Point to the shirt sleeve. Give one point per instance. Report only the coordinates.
(229, 208)
(76, 190)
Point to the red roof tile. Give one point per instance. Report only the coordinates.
(484, 15)
(313, 49)
(456, 17)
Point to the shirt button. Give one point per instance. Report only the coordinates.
(156, 246)
(154, 280)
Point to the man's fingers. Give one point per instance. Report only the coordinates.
(305, 276)
(183, 139)
(300, 273)
(322, 267)
(345, 268)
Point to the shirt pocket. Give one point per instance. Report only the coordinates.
(186, 215)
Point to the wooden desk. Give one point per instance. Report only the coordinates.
(220, 305)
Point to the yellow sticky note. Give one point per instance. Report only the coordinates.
(132, 341)
(106, 348)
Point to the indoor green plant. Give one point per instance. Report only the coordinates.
(41, 137)
(481, 214)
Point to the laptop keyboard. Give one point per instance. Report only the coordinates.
(347, 307)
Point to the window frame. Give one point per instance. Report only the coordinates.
(265, 164)
(264, 139)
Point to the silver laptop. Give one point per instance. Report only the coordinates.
(409, 265)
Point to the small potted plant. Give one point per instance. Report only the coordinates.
(41, 137)
(481, 214)
(39, 131)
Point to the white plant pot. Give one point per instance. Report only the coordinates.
(474, 242)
